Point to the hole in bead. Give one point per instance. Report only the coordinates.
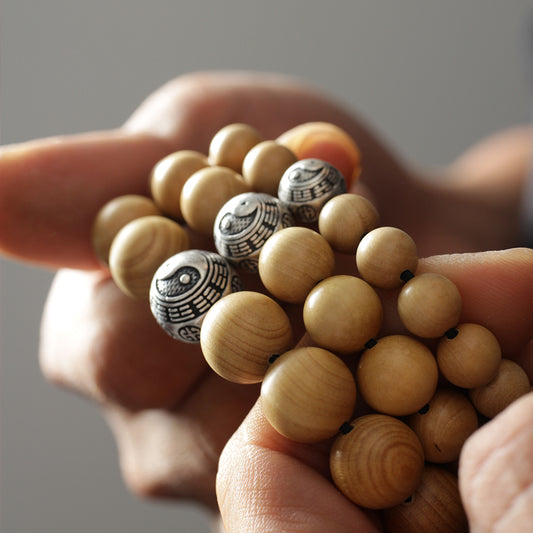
(370, 344)
(424, 409)
(345, 428)
(406, 275)
(451, 333)
(408, 500)
(273, 357)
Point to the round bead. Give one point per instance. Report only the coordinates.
(168, 177)
(264, 165)
(429, 305)
(241, 332)
(138, 250)
(307, 394)
(470, 356)
(245, 223)
(185, 287)
(293, 261)
(307, 185)
(345, 219)
(113, 216)
(378, 463)
(398, 375)
(384, 254)
(444, 424)
(342, 313)
(204, 194)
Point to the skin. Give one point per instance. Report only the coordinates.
(158, 395)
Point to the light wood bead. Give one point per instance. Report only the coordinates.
(307, 394)
(241, 332)
(204, 194)
(293, 261)
(510, 383)
(140, 248)
(229, 146)
(342, 313)
(444, 425)
(113, 216)
(398, 375)
(379, 463)
(429, 305)
(384, 254)
(168, 177)
(345, 219)
(471, 358)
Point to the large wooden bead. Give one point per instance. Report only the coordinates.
(429, 305)
(398, 375)
(307, 394)
(139, 249)
(342, 313)
(384, 254)
(293, 261)
(378, 463)
(241, 332)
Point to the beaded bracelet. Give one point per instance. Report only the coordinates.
(415, 408)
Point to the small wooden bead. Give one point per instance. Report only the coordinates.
(444, 425)
(398, 375)
(345, 219)
(307, 394)
(378, 463)
(204, 194)
(429, 305)
(384, 254)
(113, 216)
(510, 383)
(241, 332)
(293, 261)
(139, 249)
(342, 313)
(168, 177)
(471, 357)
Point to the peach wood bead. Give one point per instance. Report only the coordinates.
(140, 248)
(429, 305)
(241, 332)
(307, 394)
(345, 219)
(168, 177)
(204, 194)
(378, 463)
(384, 254)
(342, 313)
(398, 375)
(113, 216)
(293, 261)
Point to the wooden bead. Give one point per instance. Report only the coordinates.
(264, 165)
(113, 216)
(429, 305)
(345, 219)
(168, 177)
(384, 254)
(342, 313)
(307, 394)
(444, 424)
(293, 261)
(470, 356)
(378, 463)
(230, 145)
(139, 249)
(204, 194)
(510, 383)
(398, 375)
(241, 332)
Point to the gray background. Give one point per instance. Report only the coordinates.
(431, 76)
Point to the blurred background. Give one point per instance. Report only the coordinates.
(431, 77)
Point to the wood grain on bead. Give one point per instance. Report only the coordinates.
(342, 313)
(307, 394)
(241, 332)
(377, 464)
